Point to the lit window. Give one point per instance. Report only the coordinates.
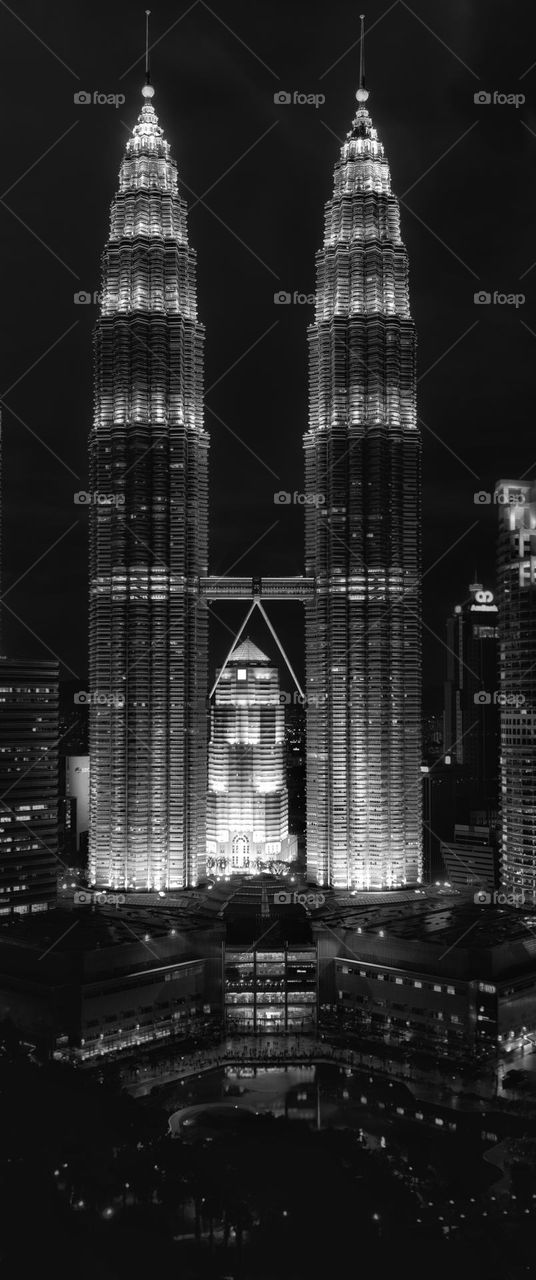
(241, 674)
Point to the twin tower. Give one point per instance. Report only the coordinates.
(149, 578)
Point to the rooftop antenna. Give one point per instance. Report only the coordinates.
(147, 91)
(362, 93)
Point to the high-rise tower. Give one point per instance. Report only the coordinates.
(516, 582)
(471, 721)
(29, 861)
(362, 453)
(148, 536)
(247, 818)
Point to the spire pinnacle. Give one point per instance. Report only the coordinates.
(147, 91)
(362, 93)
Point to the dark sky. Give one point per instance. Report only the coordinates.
(468, 220)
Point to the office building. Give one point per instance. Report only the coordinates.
(362, 466)
(516, 576)
(247, 802)
(148, 537)
(29, 862)
(471, 713)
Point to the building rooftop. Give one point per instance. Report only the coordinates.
(248, 652)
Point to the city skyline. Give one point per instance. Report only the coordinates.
(268, 853)
(405, 130)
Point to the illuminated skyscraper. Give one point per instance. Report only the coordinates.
(148, 536)
(471, 720)
(517, 664)
(29, 862)
(247, 818)
(362, 453)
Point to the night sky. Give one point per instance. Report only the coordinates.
(468, 220)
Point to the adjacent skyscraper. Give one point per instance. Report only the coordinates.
(517, 649)
(148, 536)
(362, 453)
(29, 863)
(471, 719)
(247, 819)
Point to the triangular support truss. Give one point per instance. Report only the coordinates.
(256, 604)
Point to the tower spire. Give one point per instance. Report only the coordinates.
(147, 75)
(362, 93)
(147, 91)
